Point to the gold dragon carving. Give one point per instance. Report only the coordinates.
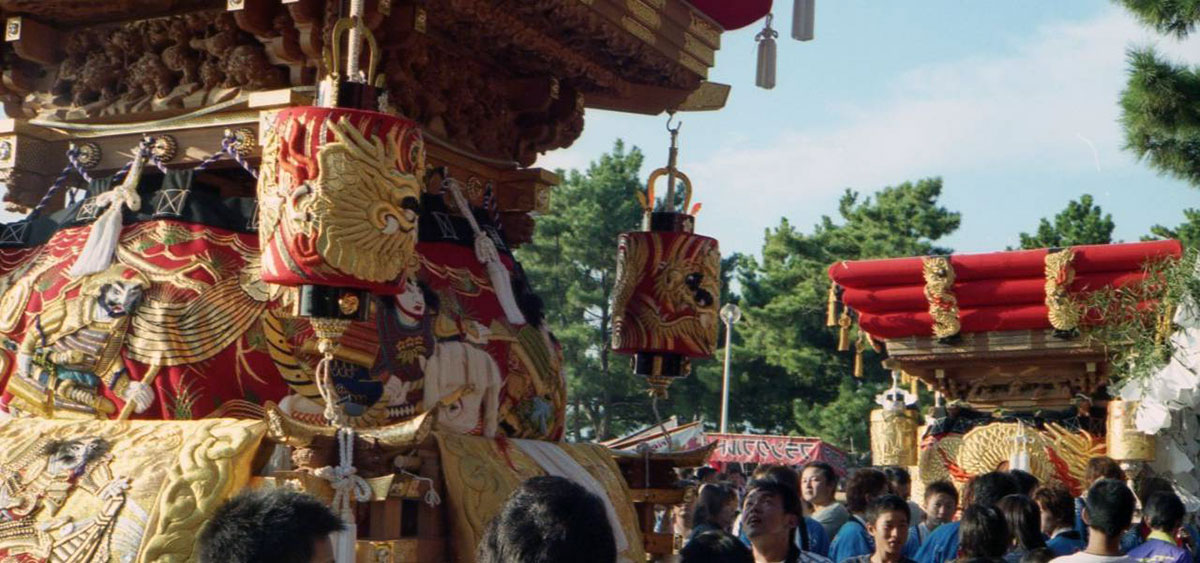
(943, 305)
(1063, 311)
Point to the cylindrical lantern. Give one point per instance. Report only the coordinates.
(1125, 442)
(668, 284)
(337, 203)
(894, 437)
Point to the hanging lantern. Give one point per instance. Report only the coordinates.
(338, 193)
(1125, 442)
(665, 298)
(894, 427)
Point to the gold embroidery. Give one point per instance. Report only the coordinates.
(1063, 311)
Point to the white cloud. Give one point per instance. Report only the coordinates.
(1026, 108)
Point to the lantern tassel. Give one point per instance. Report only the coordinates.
(831, 318)
(844, 334)
(858, 359)
(803, 18)
(765, 76)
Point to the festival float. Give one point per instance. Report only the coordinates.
(1008, 343)
(269, 243)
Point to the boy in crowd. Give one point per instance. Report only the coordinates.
(1108, 511)
(770, 518)
(1058, 514)
(984, 490)
(941, 502)
(853, 540)
(818, 484)
(888, 524)
(269, 526)
(1164, 513)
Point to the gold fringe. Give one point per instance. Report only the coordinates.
(916, 385)
(831, 318)
(844, 334)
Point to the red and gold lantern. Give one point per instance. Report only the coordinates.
(338, 199)
(667, 290)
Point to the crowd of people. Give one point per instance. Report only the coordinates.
(1003, 517)
(781, 516)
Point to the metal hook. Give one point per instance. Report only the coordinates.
(670, 118)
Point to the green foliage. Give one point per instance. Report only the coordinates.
(1161, 104)
(1082, 222)
(572, 266)
(1133, 322)
(1169, 17)
(788, 375)
(1187, 232)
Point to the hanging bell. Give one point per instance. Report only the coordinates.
(803, 18)
(765, 76)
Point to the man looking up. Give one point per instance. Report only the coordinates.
(770, 517)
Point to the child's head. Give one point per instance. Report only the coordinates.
(887, 520)
(983, 533)
(1164, 512)
(941, 502)
(1057, 506)
(1109, 509)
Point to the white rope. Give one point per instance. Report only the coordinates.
(347, 486)
(486, 253)
(431, 497)
(354, 49)
(105, 232)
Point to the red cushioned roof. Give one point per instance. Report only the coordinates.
(996, 291)
(733, 14)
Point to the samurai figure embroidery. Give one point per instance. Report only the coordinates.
(72, 350)
(33, 493)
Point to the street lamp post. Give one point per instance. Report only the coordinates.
(730, 314)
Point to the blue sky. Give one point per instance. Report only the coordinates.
(1013, 104)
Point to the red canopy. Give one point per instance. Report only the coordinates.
(733, 14)
(776, 450)
(993, 292)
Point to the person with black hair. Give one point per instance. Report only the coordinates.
(984, 535)
(1108, 511)
(716, 507)
(1026, 481)
(1143, 490)
(1163, 512)
(853, 540)
(706, 475)
(810, 536)
(901, 484)
(715, 546)
(771, 515)
(269, 526)
(888, 523)
(984, 490)
(1058, 513)
(941, 503)
(1098, 467)
(818, 486)
(1024, 520)
(548, 520)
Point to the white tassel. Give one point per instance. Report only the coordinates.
(804, 15)
(765, 76)
(485, 252)
(347, 486)
(97, 253)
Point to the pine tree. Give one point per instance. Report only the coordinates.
(1081, 222)
(1161, 104)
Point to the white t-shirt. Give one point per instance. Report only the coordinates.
(1085, 557)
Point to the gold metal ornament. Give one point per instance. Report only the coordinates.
(1062, 310)
(943, 305)
(348, 304)
(894, 437)
(1125, 442)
